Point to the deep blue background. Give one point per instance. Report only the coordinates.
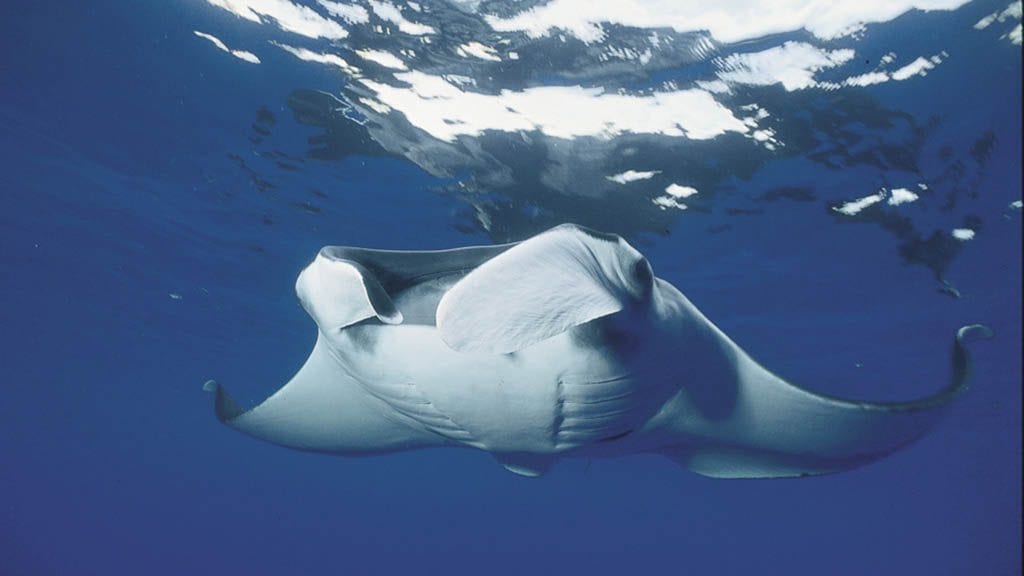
(115, 193)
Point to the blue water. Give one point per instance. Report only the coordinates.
(150, 237)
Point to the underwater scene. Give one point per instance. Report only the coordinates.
(495, 287)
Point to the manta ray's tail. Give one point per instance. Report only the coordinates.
(778, 430)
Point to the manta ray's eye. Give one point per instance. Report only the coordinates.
(642, 272)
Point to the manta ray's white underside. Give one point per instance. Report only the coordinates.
(562, 345)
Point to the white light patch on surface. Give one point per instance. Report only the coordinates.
(762, 135)
(730, 21)
(213, 39)
(674, 193)
(714, 86)
(677, 191)
(666, 202)
(478, 50)
(391, 13)
(766, 138)
(459, 79)
(616, 53)
(854, 207)
(867, 79)
(319, 57)
(1016, 204)
(793, 65)
(1013, 35)
(247, 56)
(632, 176)
(375, 106)
(240, 54)
(290, 17)
(1013, 10)
(470, 5)
(385, 59)
(443, 110)
(921, 66)
(986, 21)
(918, 67)
(351, 13)
(899, 196)
(963, 234)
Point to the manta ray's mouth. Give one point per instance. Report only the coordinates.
(418, 302)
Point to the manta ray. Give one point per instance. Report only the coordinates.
(561, 345)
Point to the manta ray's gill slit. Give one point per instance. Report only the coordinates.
(559, 418)
(609, 380)
(582, 413)
(600, 400)
(615, 437)
(406, 399)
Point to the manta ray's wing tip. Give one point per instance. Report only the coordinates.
(224, 405)
(973, 332)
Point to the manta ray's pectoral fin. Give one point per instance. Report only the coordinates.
(525, 464)
(322, 409)
(338, 293)
(777, 430)
(540, 288)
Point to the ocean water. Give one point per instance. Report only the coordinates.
(837, 188)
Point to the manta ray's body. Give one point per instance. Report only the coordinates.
(562, 345)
